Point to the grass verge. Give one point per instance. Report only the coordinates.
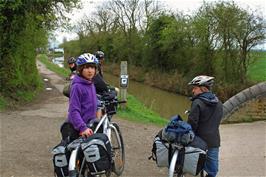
(135, 110)
(53, 67)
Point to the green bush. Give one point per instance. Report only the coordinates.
(3, 103)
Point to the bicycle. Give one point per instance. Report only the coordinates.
(176, 164)
(77, 165)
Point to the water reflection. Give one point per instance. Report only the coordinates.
(59, 61)
(163, 102)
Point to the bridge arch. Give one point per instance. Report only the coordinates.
(257, 91)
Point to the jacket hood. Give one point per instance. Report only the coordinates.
(207, 97)
(81, 80)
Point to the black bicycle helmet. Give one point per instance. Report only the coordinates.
(99, 55)
(71, 60)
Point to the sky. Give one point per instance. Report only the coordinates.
(186, 6)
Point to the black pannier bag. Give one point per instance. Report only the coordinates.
(97, 153)
(161, 151)
(60, 159)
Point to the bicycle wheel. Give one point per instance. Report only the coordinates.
(81, 166)
(118, 151)
(174, 168)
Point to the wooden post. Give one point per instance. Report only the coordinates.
(123, 81)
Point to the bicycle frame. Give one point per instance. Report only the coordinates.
(107, 128)
(105, 123)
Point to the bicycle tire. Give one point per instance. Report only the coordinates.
(81, 167)
(174, 169)
(120, 151)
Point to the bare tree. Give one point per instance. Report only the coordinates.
(151, 9)
(249, 32)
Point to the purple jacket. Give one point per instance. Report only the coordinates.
(82, 103)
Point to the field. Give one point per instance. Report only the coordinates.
(257, 69)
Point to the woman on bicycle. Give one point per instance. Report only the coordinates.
(83, 100)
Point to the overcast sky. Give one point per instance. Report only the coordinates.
(187, 6)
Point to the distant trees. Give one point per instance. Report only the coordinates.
(216, 40)
(233, 32)
(118, 27)
(24, 28)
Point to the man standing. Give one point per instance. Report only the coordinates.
(205, 117)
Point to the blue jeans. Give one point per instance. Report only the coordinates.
(212, 162)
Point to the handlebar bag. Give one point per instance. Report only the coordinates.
(97, 153)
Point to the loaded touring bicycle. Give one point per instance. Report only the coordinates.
(98, 155)
(177, 148)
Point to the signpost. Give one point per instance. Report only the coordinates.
(123, 80)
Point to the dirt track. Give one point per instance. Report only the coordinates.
(29, 132)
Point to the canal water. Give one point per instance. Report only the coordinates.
(59, 61)
(165, 103)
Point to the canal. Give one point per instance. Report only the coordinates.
(165, 103)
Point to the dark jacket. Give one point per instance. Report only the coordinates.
(100, 84)
(205, 117)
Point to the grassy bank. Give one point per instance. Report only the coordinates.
(135, 110)
(257, 69)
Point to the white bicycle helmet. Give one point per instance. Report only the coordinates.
(202, 81)
(86, 58)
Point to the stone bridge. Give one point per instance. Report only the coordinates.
(248, 105)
